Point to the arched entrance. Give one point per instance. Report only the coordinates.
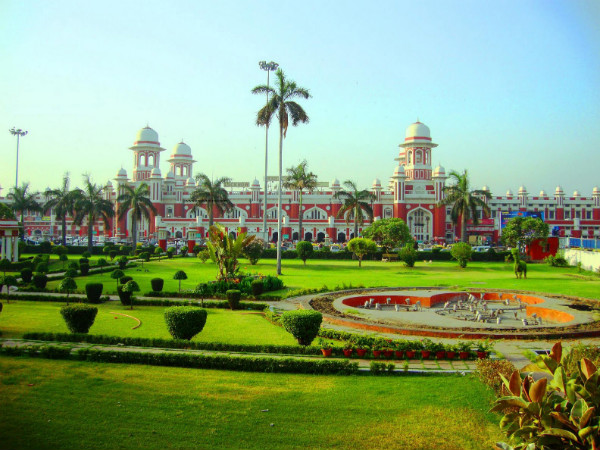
(295, 236)
(420, 224)
(320, 237)
(274, 236)
(232, 234)
(308, 237)
(178, 235)
(341, 237)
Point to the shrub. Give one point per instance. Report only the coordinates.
(253, 251)
(86, 254)
(71, 273)
(73, 265)
(67, 285)
(380, 368)
(8, 280)
(556, 261)
(304, 250)
(125, 279)
(203, 255)
(84, 268)
(489, 371)
(303, 325)
(84, 261)
(233, 297)
(26, 275)
(124, 296)
(79, 318)
(93, 291)
(157, 284)
(461, 251)
(122, 262)
(170, 252)
(112, 254)
(180, 275)
(145, 256)
(257, 287)
(102, 264)
(408, 255)
(40, 280)
(42, 267)
(131, 286)
(185, 322)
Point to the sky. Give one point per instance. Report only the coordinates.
(510, 90)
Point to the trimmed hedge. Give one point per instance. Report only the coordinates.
(233, 297)
(26, 274)
(185, 322)
(125, 297)
(93, 291)
(40, 280)
(79, 318)
(157, 284)
(84, 268)
(302, 324)
(258, 287)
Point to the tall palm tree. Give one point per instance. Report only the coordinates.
(92, 205)
(63, 201)
(212, 194)
(22, 199)
(464, 201)
(282, 105)
(356, 204)
(138, 201)
(298, 179)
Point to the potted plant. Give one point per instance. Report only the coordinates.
(412, 348)
(464, 349)
(378, 347)
(400, 346)
(451, 351)
(348, 349)
(438, 349)
(326, 347)
(426, 350)
(388, 349)
(484, 348)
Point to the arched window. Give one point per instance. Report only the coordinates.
(418, 157)
(315, 214)
(235, 213)
(150, 160)
(387, 213)
(272, 213)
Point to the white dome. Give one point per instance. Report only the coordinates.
(399, 170)
(418, 131)
(190, 182)
(485, 188)
(109, 185)
(509, 193)
(576, 194)
(596, 190)
(170, 175)
(439, 170)
(147, 137)
(335, 183)
(155, 172)
(376, 182)
(522, 190)
(542, 193)
(181, 149)
(255, 183)
(559, 190)
(122, 173)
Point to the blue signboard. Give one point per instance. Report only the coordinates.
(506, 216)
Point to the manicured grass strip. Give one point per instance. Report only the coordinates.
(191, 360)
(82, 405)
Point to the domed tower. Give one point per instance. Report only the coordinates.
(146, 153)
(181, 162)
(415, 152)
(523, 198)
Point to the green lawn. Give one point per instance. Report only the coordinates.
(235, 327)
(74, 405)
(316, 273)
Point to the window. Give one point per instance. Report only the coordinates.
(567, 214)
(578, 214)
(551, 214)
(588, 215)
(387, 213)
(315, 214)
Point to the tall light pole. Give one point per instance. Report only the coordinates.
(17, 132)
(269, 67)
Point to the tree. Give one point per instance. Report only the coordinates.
(158, 251)
(6, 213)
(102, 264)
(355, 204)
(361, 247)
(464, 201)
(461, 251)
(180, 275)
(520, 232)
(23, 200)
(67, 285)
(281, 104)
(5, 265)
(131, 286)
(8, 281)
(389, 233)
(304, 250)
(138, 201)
(62, 200)
(254, 250)
(408, 255)
(117, 274)
(224, 250)
(212, 194)
(91, 205)
(298, 179)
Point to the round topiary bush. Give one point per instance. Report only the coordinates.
(258, 287)
(26, 275)
(124, 296)
(93, 292)
(125, 279)
(157, 284)
(42, 267)
(233, 297)
(40, 280)
(84, 268)
(303, 325)
(185, 322)
(71, 273)
(79, 317)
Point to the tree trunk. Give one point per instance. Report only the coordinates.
(463, 228)
(300, 216)
(279, 201)
(209, 206)
(64, 230)
(134, 231)
(355, 222)
(90, 232)
(359, 262)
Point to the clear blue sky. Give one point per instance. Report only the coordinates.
(509, 89)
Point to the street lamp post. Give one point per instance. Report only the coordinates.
(269, 67)
(17, 132)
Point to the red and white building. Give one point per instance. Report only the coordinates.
(412, 194)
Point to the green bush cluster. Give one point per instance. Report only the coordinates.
(379, 368)
(304, 325)
(489, 371)
(185, 322)
(157, 284)
(233, 297)
(270, 283)
(40, 280)
(556, 261)
(93, 291)
(79, 318)
(26, 275)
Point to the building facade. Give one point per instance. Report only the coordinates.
(413, 193)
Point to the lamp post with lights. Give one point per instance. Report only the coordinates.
(17, 132)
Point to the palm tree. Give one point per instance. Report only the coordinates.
(356, 204)
(212, 194)
(138, 201)
(63, 201)
(299, 179)
(92, 205)
(23, 200)
(464, 201)
(281, 104)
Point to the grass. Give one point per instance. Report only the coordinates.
(234, 327)
(317, 273)
(72, 405)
